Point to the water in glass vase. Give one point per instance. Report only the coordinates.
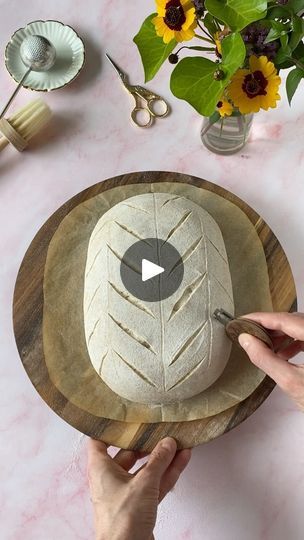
(228, 135)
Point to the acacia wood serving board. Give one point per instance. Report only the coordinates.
(28, 313)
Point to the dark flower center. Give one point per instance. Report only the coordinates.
(175, 16)
(255, 84)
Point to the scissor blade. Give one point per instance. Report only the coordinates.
(119, 72)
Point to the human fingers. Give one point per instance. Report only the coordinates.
(159, 460)
(174, 471)
(279, 370)
(96, 450)
(100, 464)
(127, 458)
(98, 471)
(279, 341)
(291, 350)
(291, 324)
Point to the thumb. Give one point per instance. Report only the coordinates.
(260, 355)
(160, 458)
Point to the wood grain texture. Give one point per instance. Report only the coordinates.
(28, 311)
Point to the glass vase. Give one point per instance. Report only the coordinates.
(227, 135)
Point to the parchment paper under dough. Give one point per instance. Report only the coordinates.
(64, 342)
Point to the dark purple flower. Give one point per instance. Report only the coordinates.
(199, 8)
(254, 37)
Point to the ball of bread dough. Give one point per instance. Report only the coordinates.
(165, 351)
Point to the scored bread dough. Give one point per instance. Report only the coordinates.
(165, 351)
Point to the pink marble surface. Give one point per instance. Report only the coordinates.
(248, 484)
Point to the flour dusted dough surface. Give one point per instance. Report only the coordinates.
(157, 352)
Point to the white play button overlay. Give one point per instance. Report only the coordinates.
(150, 270)
(145, 260)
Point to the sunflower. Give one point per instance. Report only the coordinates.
(175, 19)
(255, 88)
(224, 107)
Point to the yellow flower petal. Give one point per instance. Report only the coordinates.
(161, 7)
(168, 35)
(190, 18)
(160, 32)
(267, 83)
(159, 22)
(225, 108)
(184, 35)
(247, 107)
(181, 32)
(269, 70)
(257, 63)
(272, 89)
(274, 82)
(241, 74)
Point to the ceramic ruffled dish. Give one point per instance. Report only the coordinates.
(70, 55)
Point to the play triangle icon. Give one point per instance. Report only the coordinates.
(150, 270)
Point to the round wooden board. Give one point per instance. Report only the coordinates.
(28, 313)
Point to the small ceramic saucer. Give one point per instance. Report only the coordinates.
(70, 55)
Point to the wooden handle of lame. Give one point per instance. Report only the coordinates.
(11, 135)
(3, 142)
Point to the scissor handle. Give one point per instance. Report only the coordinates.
(153, 101)
(139, 112)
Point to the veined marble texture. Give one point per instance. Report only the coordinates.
(248, 484)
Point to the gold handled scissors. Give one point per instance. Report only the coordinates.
(142, 116)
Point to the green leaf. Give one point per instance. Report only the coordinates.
(193, 81)
(198, 48)
(296, 5)
(193, 78)
(233, 53)
(292, 82)
(280, 12)
(297, 32)
(299, 51)
(298, 54)
(152, 49)
(277, 30)
(283, 55)
(210, 24)
(237, 13)
(284, 41)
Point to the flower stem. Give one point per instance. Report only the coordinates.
(206, 128)
(204, 39)
(205, 32)
(245, 130)
(297, 63)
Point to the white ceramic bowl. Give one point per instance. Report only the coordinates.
(70, 55)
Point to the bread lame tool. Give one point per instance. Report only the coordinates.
(236, 326)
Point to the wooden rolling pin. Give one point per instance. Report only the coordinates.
(24, 124)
